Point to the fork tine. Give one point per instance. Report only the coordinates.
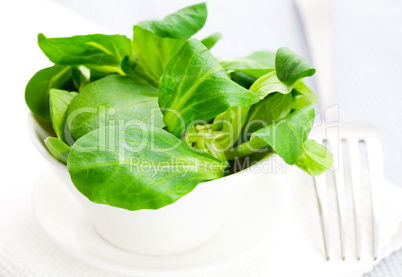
(352, 140)
(320, 186)
(375, 164)
(340, 191)
(354, 157)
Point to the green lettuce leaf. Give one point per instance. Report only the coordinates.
(211, 40)
(302, 96)
(182, 24)
(58, 149)
(194, 87)
(268, 84)
(140, 167)
(314, 158)
(220, 135)
(100, 52)
(112, 100)
(254, 65)
(154, 53)
(37, 89)
(272, 108)
(59, 102)
(290, 67)
(285, 136)
(157, 41)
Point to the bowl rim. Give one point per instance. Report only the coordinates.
(33, 126)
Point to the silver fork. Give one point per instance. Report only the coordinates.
(316, 18)
(351, 135)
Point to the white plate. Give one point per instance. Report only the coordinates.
(251, 225)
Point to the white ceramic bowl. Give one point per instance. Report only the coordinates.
(179, 227)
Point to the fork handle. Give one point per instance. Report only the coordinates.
(316, 18)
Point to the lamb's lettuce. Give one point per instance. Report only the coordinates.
(156, 41)
(272, 108)
(254, 65)
(211, 40)
(303, 96)
(37, 89)
(290, 67)
(100, 52)
(138, 167)
(96, 75)
(182, 24)
(128, 66)
(154, 53)
(314, 158)
(58, 149)
(60, 100)
(111, 100)
(264, 58)
(192, 83)
(81, 77)
(153, 117)
(285, 136)
(268, 84)
(220, 135)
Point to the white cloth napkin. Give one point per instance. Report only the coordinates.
(26, 251)
(298, 249)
